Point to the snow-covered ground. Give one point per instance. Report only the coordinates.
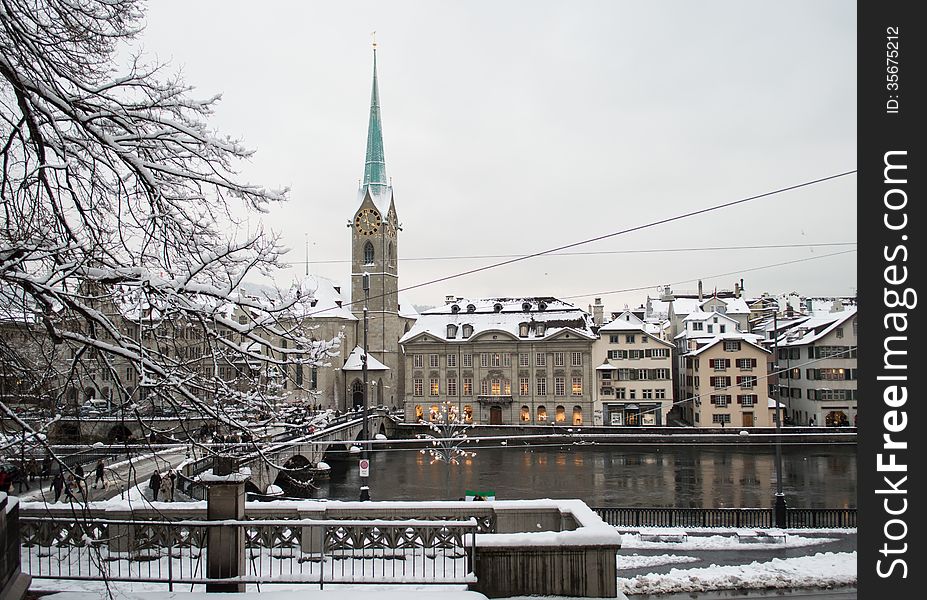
(719, 542)
(828, 569)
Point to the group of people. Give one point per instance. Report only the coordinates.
(163, 484)
(74, 484)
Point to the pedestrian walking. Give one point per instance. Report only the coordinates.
(79, 478)
(100, 471)
(167, 488)
(155, 485)
(70, 485)
(57, 485)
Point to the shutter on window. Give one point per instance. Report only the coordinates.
(740, 399)
(711, 363)
(713, 400)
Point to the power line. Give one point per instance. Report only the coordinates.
(596, 253)
(650, 287)
(606, 236)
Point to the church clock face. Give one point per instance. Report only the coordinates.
(367, 221)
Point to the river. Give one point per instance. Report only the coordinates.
(814, 476)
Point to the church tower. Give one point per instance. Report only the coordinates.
(374, 250)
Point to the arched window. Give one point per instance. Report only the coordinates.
(523, 329)
(451, 331)
(542, 414)
(368, 253)
(561, 414)
(577, 415)
(467, 331)
(525, 414)
(389, 253)
(468, 413)
(435, 413)
(419, 412)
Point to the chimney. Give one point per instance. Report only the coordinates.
(837, 306)
(598, 312)
(741, 285)
(736, 290)
(667, 295)
(699, 290)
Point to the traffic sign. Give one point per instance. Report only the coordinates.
(364, 467)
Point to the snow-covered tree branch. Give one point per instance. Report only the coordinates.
(124, 243)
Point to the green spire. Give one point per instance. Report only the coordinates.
(375, 167)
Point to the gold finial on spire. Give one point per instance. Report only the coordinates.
(373, 36)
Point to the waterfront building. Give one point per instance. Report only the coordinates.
(633, 373)
(817, 357)
(501, 361)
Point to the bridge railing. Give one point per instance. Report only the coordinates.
(756, 518)
(278, 551)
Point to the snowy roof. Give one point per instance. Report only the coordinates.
(406, 309)
(355, 362)
(505, 315)
(706, 343)
(815, 327)
(704, 316)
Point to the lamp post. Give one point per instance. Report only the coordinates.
(779, 508)
(365, 489)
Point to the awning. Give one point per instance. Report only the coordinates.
(631, 407)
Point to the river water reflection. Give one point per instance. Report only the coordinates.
(665, 475)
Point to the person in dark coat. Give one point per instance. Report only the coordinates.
(100, 471)
(57, 485)
(155, 484)
(79, 478)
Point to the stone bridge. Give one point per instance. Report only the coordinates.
(116, 429)
(306, 452)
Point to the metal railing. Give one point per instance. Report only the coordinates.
(195, 552)
(758, 518)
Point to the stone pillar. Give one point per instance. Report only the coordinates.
(225, 545)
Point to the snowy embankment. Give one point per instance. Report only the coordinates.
(718, 542)
(827, 569)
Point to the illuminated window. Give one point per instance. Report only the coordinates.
(496, 387)
(542, 415)
(577, 415)
(468, 413)
(577, 386)
(523, 386)
(419, 412)
(467, 386)
(525, 414)
(561, 414)
(435, 413)
(433, 386)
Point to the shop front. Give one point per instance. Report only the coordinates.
(632, 414)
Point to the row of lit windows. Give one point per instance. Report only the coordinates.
(559, 415)
(500, 359)
(497, 387)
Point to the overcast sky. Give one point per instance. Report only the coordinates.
(514, 127)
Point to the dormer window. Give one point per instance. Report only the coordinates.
(451, 331)
(542, 306)
(523, 330)
(467, 331)
(526, 306)
(455, 308)
(471, 308)
(539, 329)
(497, 307)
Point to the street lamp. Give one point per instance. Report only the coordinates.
(779, 509)
(365, 489)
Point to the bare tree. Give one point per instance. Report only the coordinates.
(125, 242)
(447, 438)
